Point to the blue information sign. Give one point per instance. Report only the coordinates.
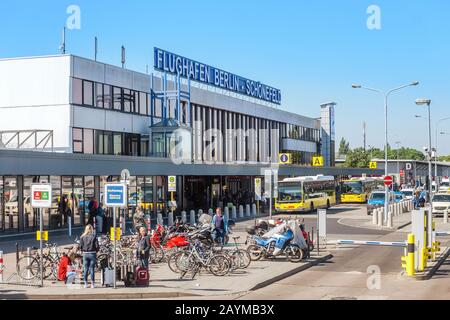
(115, 195)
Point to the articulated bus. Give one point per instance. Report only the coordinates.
(357, 190)
(302, 194)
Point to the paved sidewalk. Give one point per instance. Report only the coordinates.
(165, 284)
(359, 219)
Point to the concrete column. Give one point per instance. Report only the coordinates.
(241, 211)
(446, 216)
(183, 217)
(226, 213)
(254, 210)
(247, 210)
(380, 216)
(210, 212)
(192, 217)
(200, 212)
(233, 213)
(170, 219)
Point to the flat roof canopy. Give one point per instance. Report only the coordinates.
(14, 162)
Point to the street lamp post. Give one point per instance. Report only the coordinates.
(386, 96)
(421, 102)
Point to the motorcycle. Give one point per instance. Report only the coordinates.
(278, 244)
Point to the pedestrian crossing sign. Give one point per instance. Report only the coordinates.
(373, 165)
(318, 161)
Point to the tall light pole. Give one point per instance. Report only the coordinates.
(386, 96)
(421, 102)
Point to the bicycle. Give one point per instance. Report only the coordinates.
(29, 266)
(196, 258)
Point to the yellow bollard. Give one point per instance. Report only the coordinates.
(410, 270)
(408, 260)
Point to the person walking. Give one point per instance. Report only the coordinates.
(89, 247)
(92, 206)
(143, 247)
(219, 226)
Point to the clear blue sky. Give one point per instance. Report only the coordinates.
(312, 50)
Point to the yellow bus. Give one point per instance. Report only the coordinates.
(357, 190)
(303, 194)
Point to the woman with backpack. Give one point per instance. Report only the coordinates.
(89, 247)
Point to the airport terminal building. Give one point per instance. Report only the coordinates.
(76, 123)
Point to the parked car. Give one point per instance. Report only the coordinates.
(399, 197)
(408, 193)
(376, 199)
(440, 202)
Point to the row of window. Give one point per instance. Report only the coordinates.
(300, 133)
(92, 141)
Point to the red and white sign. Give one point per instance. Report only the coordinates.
(42, 195)
(387, 180)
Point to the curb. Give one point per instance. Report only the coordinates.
(291, 272)
(429, 274)
(101, 296)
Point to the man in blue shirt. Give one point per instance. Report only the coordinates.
(219, 226)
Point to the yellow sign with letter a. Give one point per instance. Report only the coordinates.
(318, 161)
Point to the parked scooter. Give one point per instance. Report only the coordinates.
(278, 244)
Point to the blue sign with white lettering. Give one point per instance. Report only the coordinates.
(115, 195)
(187, 68)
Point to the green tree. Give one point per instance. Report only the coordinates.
(444, 158)
(344, 147)
(358, 158)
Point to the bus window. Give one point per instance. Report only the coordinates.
(289, 193)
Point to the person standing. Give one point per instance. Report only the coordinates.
(99, 218)
(63, 208)
(93, 207)
(143, 247)
(219, 226)
(89, 247)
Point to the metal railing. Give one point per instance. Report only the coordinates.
(36, 140)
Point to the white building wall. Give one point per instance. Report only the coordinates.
(34, 94)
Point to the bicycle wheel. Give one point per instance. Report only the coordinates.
(28, 268)
(172, 261)
(294, 253)
(243, 257)
(219, 265)
(156, 255)
(186, 262)
(255, 251)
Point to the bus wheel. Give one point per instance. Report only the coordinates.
(328, 204)
(311, 208)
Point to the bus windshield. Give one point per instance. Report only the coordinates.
(354, 187)
(289, 193)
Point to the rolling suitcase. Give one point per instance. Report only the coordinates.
(107, 277)
(142, 277)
